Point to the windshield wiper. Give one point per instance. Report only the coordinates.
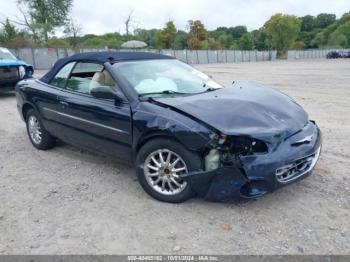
(163, 92)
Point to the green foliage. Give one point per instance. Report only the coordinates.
(180, 41)
(43, 17)
(94, 42)
(246, 42)
(46, 15)
(260, 39)
(11, 37)
(225, 40)
(166, 36)
(9, 31)
(324, 20)
(109, 40)
(341, 36)
(282, 31)
(57, 43)
(147, 36)
(307, 23)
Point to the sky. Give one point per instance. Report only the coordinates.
(101, 16)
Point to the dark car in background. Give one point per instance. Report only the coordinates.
(338, 54)
(12, 70)
(186, 134)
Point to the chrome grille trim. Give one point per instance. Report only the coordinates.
(297, 168)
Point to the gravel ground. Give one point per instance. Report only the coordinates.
(68, 201)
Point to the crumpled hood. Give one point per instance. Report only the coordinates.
(244, 108)
(7, 62)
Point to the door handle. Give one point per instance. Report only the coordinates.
(63, 103)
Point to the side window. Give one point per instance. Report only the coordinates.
(86, 76)
(60, 79)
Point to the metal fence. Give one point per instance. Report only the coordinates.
(44, 58)
(310, 54)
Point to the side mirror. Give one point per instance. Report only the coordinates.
(105, 92)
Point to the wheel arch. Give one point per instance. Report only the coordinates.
(162, 134)
(145, 138)
(25, 108)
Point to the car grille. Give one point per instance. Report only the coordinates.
(297, 168)
(9, 74)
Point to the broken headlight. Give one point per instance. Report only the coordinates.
(228, 148)
(22, 72)
(241, 145)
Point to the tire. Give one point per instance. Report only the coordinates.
(44, 140)
(188, 159)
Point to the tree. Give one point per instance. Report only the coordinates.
(282, 31)
(197, 34)
(128, 22)
(246, 42)
(323, 20)
(94, 42)
(341, 36)
(210, 43)
(9, 31)
(225, 40)
(181, 40)
(46, 15)
(73, 31)
(165, 37)
(260, 39)
(11, 37)
(307, 23)
(237, 31)
(322, 38)
(57, 43)
(147, 36)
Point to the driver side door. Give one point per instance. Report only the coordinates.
(101, 125)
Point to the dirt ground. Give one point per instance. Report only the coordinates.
(67, 201)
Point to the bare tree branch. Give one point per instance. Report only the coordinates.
(129, 20)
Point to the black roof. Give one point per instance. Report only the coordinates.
(116, 56)
(102, 57)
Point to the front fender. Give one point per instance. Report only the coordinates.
(150, 120)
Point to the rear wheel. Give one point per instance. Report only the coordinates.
(38, 136)
(160, 165)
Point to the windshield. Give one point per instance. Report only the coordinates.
(6, 54)
(164, 77)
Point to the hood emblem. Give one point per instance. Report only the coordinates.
(306, 139)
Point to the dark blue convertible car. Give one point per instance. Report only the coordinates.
(186, 134)
(12, 70)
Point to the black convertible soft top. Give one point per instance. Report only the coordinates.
(101, 57)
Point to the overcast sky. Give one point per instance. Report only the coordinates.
(101, 16)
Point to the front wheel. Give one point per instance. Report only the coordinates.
(160, 165)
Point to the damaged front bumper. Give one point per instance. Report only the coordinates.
(258, 174)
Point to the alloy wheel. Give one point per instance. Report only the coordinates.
(163, 169)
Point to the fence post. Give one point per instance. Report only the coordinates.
(197, 57)
(186, 56)
(33, 57)
(57, 54)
